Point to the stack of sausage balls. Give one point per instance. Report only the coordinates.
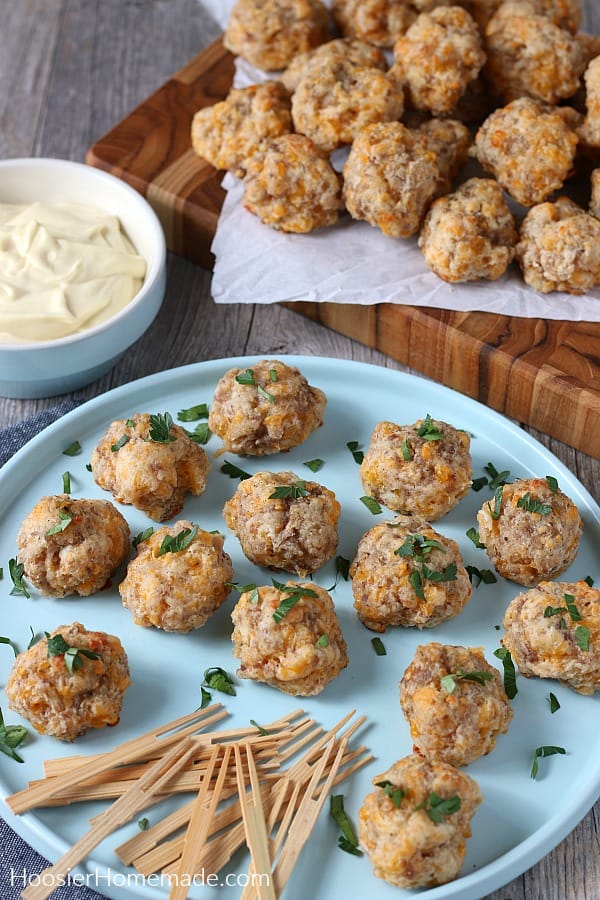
(411, 89)
(405, 573)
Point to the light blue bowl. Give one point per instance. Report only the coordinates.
(47, 368)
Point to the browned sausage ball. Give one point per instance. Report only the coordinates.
(439, 56)
(450, 140)
(531, 530)
(406, 573)
(422, 469)
(380, 22)
(354, 51)
(454, 702)
(408, 844)
(559, 248)
(390, 177)
(179, 578)
(266, 409)
(70, 546)
(528, 148)
(64, 693)
(228, 133)
(299, 652)
(469, 234)
(553, 631)
(151, 463)
(292, 186)
(269, 33)
(283, 522)
(529, 56)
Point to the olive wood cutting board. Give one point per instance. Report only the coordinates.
(542, 373)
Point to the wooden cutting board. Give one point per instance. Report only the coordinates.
(543, 373)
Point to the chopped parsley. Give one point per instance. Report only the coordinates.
(428, 430)
(290, 491)
(217, 679)
(273, 374)
(143, 824)
(497, 479)
(16, 570)
(201, 433)
(64, 520)
(233, 471)
(177, 543)
(510, 676)
(542, 752)
(552, 483)
(193, 413)
(477, 576)
(323, 641)
(73, 449)
(262, 731)
(206, 697)
(478, 483)
(245, 589)
(396, 794)
(142, 536)
(497, 507)
(529, 504)
(372, 505)
(313, 464)
(589, 580)
(57, 646)
(448, 682)
(573, 611)
(11, 644)
(473, 535)
(405, 450)
(160, 429)
(417, 584)
(438, 808)
(553, 701)
(347, 840)
(245, 377)
(66, 481)
(417, 546)
(265, 394)
(120, 443)
(11, 737)
(378, 646)
(294, 593)
(357, 453)
(582, 638)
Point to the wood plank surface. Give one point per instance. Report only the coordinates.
(543, 373)
(70, 70)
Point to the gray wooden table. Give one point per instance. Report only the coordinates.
(69, 70)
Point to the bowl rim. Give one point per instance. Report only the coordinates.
(154, 266)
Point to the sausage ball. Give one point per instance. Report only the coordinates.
(589, 131)
(406, 573)
(269, 33)
(266, 409)
(299, 651)
(292, 186)
(381, 22)
(454, 702)
(469, 234)
(439, 55)
(180, 577)
(422, 469)
(151, 463)
(69, 546)
(566, 14)
(283, 522)
(415, 824)
(390, 177)
(529, 56)
(553, 631)
(450, 141)
(230, 132)
(357, 52)
(528, 148)
(70, 681)
(332, 103)
(559, 248)
(595, 193)
(531, 530)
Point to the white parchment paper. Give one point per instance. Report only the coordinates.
(352, 262)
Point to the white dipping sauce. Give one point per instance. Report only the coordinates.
(63, 269)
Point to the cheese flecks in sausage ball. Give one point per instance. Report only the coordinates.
(332, 103)
(531, 530)
(69, 546)
(69, 682)
(422, 469)
(528, 148)
(228, 133)
(289, 638)
(390, 177)
(559, 248)
(450, 141)
(415, 824)
(440, 54)
(151, 463)
(354, 51)
(454, 702)
(269, 33)
(284, 522)
(380, 22)
(530, 56)
(265, 409)
(292, 186)
(180, 577)
(553, 631)
(470, 234)
(406, 573)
